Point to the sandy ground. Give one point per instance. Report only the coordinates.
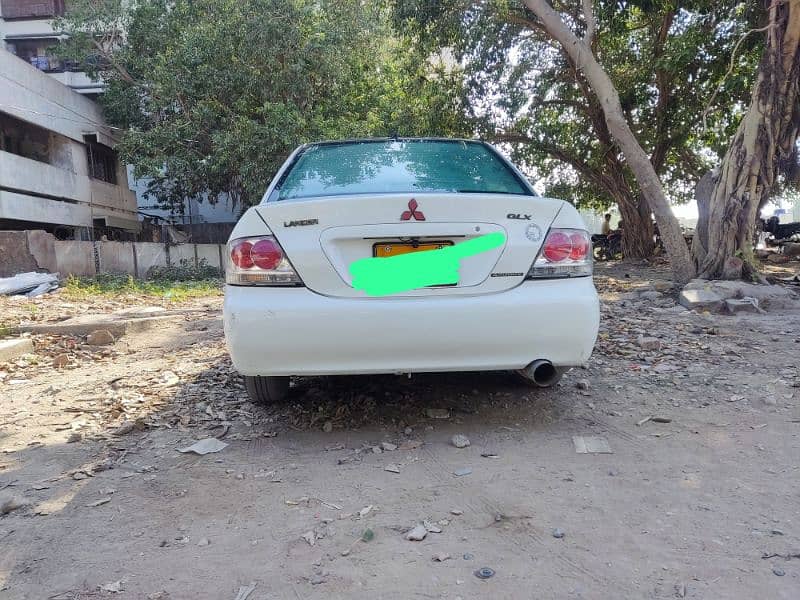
(706, 505)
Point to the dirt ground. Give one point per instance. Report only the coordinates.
(700, 501)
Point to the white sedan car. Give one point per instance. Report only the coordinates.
(404, 256)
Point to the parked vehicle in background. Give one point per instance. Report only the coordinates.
(607, 247)
(293, 306)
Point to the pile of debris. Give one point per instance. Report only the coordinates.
(29, 284)
(736, 296)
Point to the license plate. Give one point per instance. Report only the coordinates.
(385, 250)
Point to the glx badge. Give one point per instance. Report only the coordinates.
(519, 216)
(300, 223)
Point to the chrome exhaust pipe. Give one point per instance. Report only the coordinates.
(542, 373)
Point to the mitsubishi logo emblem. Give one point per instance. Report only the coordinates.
(412, 212)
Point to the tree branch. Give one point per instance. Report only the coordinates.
(591, 23)
(594, 175)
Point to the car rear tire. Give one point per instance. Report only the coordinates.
(266, 390)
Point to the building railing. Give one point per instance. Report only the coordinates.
(48, 64)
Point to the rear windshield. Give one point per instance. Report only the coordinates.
(381, 167)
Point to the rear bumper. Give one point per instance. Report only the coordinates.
(293, 331)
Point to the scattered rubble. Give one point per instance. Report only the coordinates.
(114, 587)
(459, 441)
(100, 337)
(417, 533)
(11, 503)
(701, 294)
(14, 348)
(205, 446)
(437, 413)
(590, 444)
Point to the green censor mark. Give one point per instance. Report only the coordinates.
(395, 274)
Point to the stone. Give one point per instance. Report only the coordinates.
(327, 427)
(459, 441)
(662, 286)
(736, 305)
(417, 534)
(100, 337)
(203, 542)
(700, 299)
(457, 512)
(437, 413)
(778, 259)
(462, 472)
(441, 557)
(392, 468)
(651, 295)
(10, 503)
(558, 533)
(583, 384)
(11, 349)
(768, 296)
(431, 527)
(74, 437)
(388, 447)
(61, 360)
(408, 431)
(649, 343)
(778, 571)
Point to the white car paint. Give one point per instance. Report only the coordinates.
(486, 322)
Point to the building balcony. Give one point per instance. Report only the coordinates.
(31, 190)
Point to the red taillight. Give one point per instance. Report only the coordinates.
(565, 253)
(580, 246)
(266, 254)
(241, 255)
(259, 260)
(557, 246)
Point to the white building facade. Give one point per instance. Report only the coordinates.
(58, 168)
(26, 30)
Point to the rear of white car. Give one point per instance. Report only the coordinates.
(291, 308)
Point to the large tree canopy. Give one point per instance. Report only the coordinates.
(670, 61)
(211, 95)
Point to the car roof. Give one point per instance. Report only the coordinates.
(393, 139)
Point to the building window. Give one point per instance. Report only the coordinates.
(24, 139)
(102, 162)
(32, 9)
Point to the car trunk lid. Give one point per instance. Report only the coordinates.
(322, 237)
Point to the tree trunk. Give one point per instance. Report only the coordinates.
(638, 161)
(637, 227)
(765, 138)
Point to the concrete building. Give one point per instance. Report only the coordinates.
(58, 168)
(191, 211)
(26, 30)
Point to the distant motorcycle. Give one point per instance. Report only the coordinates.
(607, 247)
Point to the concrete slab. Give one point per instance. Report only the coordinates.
(11, 349)
(701, 299)
(117, 325)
